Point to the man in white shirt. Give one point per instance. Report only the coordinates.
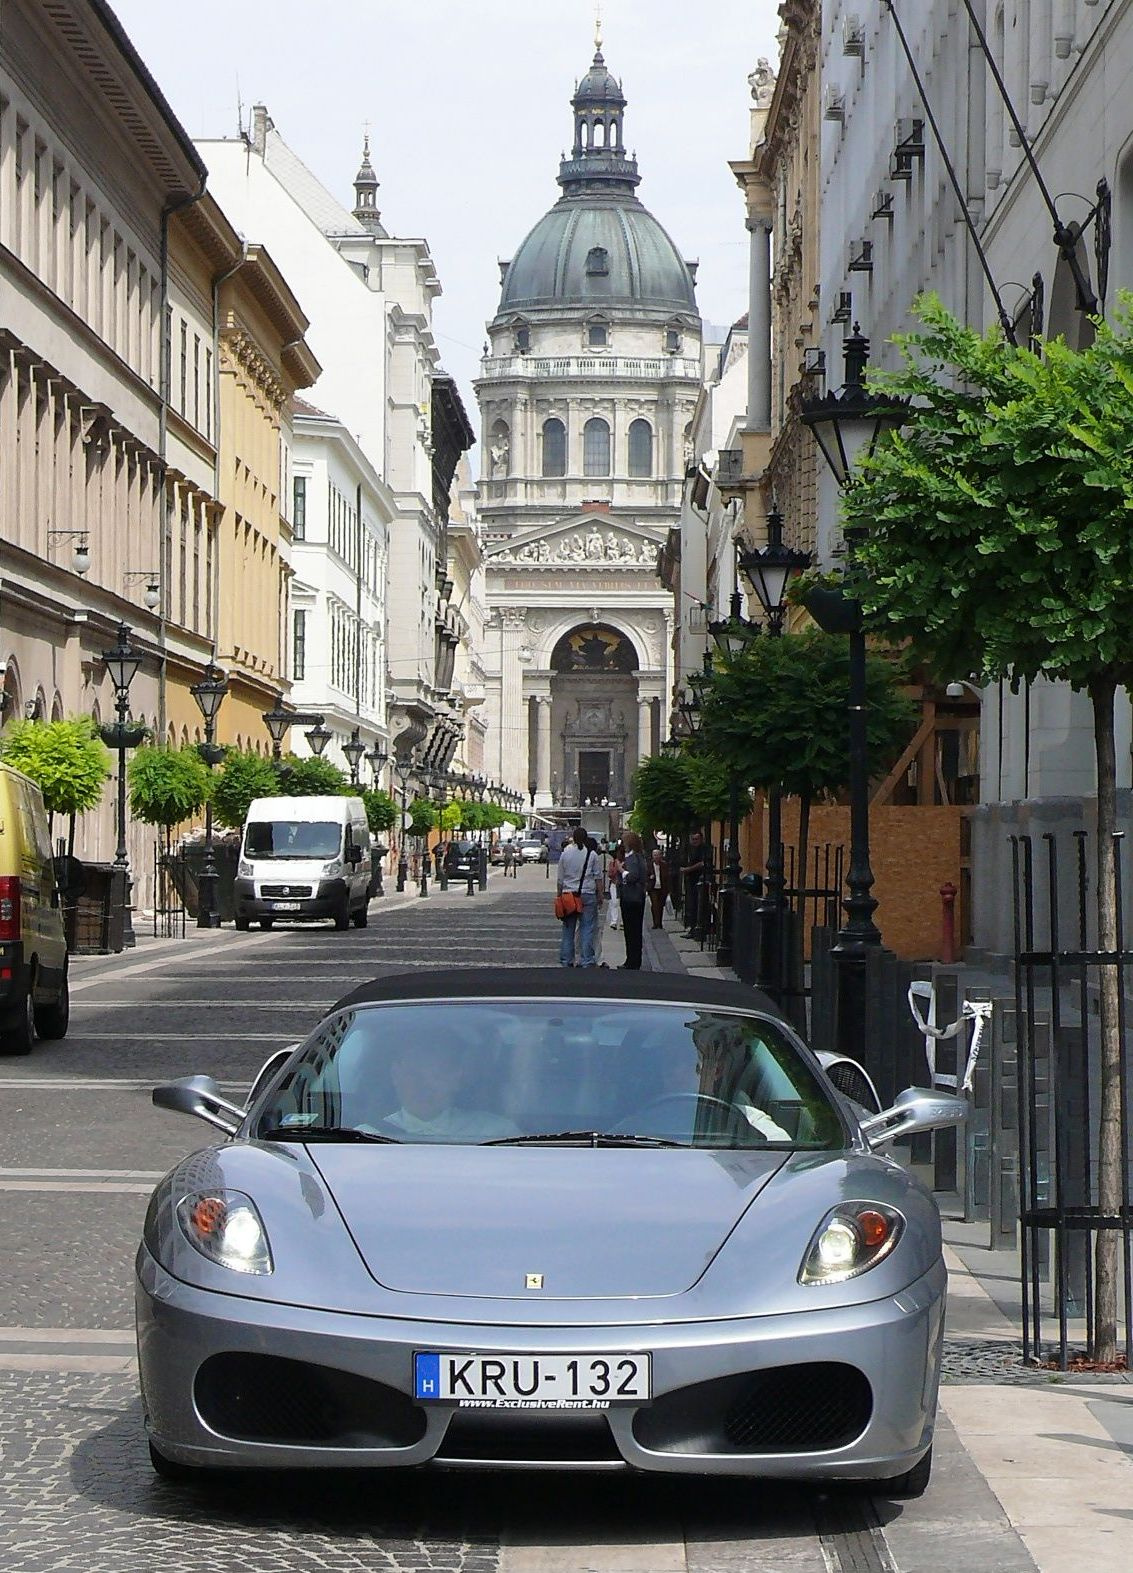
(580, 871)
(427, 1077)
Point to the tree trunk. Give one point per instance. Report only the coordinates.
(804, 849)
(1102, 692)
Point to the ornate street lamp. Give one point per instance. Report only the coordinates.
(403, 769)
(277, 722)
(209, 694)
(318, 737)
(770, 570)
(354, 748)
(122, 665)
(376, 758)
(846, 425)
(732, 634)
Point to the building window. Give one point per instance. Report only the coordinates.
(208, 394)
(640, 448)
(196, 381)
(184, 368)
(596, 447)
(554, 447)
(298, 646)
(597, 262)
(597, 335)
(299, 508)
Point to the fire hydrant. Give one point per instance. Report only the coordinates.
(948, 894)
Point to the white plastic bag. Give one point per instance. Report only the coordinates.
(614, 918)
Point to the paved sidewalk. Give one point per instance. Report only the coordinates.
(1055, 1451)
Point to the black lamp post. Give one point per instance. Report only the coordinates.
(847, 424)
(770, 570)
(440, 786)
(354, 748)
(731, 636)
(426, 776)
(122, 665)
(209, 694)
(376, 758)
(403, 769)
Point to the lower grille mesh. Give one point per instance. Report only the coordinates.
(263, 1398)
(786, 1409)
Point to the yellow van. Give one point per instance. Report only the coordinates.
(33, 949)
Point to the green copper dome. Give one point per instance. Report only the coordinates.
(598, 246)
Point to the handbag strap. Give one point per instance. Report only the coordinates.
(585, 866)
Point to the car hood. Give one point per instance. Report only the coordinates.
(595, 1223)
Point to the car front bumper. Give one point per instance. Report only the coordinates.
(893, 1344)
(324, 902)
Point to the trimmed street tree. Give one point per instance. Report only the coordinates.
(422, 816)
(312, 777)
(167, 786)
(661, 795)
(381, 810)
(776, 716)
(245, 776)
(993, 533)
(66, 760)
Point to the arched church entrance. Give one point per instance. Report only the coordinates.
(593, 706)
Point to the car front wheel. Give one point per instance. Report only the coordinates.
(20, 1038)
(913, 1483)
(177, 1474)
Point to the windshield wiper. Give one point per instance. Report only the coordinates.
(591, 1138)
(321, 1133)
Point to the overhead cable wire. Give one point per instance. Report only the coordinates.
(1005, 321)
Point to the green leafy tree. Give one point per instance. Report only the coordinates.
(65, 759)
(381, 810)
(245, 776)
(472, 815)
(422, 816)
(450, 817)
(313, 777)
(167, 786)
(662, 795)
(776, 716)
(993, 534)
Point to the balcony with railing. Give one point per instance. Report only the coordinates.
(642, 368)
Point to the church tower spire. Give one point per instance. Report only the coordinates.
(366, 192)
(598, 159)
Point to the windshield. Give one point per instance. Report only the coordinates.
(477, 1071)
(316, 839)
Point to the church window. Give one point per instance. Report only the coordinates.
(640, 448)
(597, 335)
(597, 261)
(554, 447)
(596, 447)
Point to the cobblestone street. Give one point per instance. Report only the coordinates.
(82, 1146)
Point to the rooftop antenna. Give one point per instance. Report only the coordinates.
(239, 108)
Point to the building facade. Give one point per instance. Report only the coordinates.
(586, 395)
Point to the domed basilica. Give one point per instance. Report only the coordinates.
(586, 394)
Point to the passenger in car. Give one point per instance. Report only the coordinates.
(428, 1078)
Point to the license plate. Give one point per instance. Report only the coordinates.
(475, 1381)
(286, 906)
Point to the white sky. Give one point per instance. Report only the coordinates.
(469, 109)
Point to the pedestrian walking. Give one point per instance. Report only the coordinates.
(692, 873)
(579, 877)
(632, 892)
(658, 886)
(617, 856)
(509, 859)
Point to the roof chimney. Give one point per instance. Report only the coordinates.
(262, 123)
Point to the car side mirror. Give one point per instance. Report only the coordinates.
(912, 1111)
(199, 1096)
(267, 1072)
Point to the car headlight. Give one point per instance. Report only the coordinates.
(332, 868)
(852, 1238)
(243, 869)
(225, 1227)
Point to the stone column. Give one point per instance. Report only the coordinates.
(543, 749)
(644, 729)
(759, 329)
(513, 731)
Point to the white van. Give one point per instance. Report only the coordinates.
(304, 857)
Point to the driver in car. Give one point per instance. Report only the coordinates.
(427, 1078)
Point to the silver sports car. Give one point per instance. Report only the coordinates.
(536, 1219)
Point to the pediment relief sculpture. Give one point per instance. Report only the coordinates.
(592, 546)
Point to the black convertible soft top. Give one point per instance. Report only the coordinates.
(431, 983)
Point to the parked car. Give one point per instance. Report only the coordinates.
(461, 859)
(532, 850)
(541, 1218)
(304, 858)
(34, 1000)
